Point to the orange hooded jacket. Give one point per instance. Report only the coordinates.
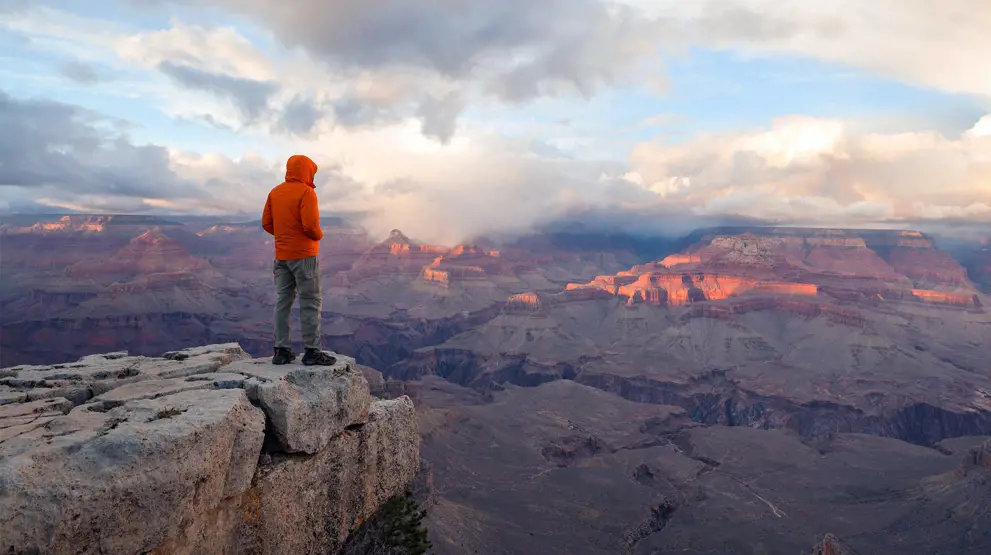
(291, 214)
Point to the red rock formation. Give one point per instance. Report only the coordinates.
(796, 262)
(938, 297)
(524, 303)
(467, 263)
(679, 260)
(676, 289)
(397, 255)
(149, 253)
(928, 266)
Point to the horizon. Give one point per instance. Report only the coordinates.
(548, 227)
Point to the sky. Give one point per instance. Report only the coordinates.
(454, 118)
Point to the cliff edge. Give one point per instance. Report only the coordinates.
(200, 451)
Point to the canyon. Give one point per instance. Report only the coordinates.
(738, 389)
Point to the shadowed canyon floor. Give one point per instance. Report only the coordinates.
(741, 390)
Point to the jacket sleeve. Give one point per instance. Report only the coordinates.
(268, 224)
(309, 213)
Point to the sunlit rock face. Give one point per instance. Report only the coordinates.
(468, 263)
(841, 264)
(396, 255)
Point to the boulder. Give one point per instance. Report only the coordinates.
(307, 406)
(310, 504)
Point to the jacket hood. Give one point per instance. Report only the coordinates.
(300, 169)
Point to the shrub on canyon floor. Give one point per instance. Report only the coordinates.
(397, 529)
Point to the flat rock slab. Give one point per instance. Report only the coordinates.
(152, 389)
(21, 418)
(96, 374)
(127, 479)
(307, 406)
(9, 395)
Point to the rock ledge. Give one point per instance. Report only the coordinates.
(201, 451)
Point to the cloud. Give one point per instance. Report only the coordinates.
(375, 92)
(458, 38)
(439, 116)
(809, 170)
(404, 58)
(79, 72)
(300, 116)
(939, 45)
(251, 97)
(59, 152)
(217, 50)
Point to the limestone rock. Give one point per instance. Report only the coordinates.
(168, 456)
(17, 419)
(307, 406)
(96, 374)
(310, 504)
(125, 480)
(389, 446)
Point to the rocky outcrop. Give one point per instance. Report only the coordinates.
(682, 289)
(397, 255)
(471, 263)
(524, 303)
(846, 265)
(978, 458)
(151, 252)
(200, 451)
(679, 260)
(951, 299)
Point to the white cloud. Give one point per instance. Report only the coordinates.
(218, 50)
(943, 44)
(807, 170)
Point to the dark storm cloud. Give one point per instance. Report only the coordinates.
(523, 46)
(248, 95)
(63, 149)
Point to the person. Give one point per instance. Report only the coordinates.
(291, 216)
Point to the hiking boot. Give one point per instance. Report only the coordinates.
(316, 357)
(283, 356)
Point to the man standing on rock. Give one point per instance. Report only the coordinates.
(291, 215)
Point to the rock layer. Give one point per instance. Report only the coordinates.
(195, 453)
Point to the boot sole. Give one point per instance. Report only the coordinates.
(312, 363)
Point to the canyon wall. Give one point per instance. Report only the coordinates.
(201, 451)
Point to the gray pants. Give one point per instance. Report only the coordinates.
(303, 276)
